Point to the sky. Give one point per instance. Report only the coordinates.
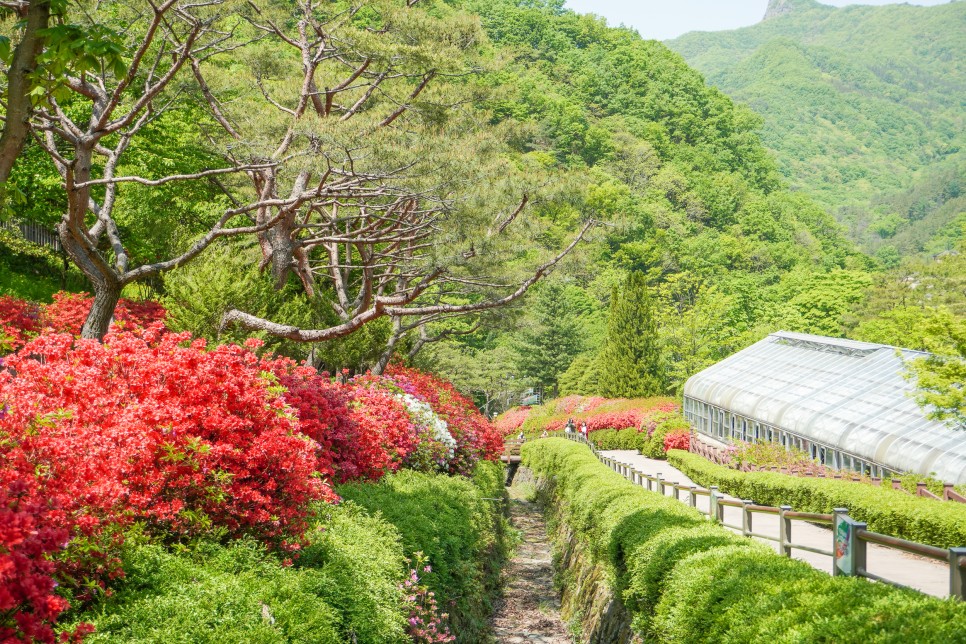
(665, 19)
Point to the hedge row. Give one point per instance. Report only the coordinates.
(346, 586)
(458, 524)
(683, 579)
(937, 523)
(650, 444)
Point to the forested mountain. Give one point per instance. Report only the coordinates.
(694, 201)
(453, 154)
(863, 107)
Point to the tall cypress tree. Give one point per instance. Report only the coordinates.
(631, 358)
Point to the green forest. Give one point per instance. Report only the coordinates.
(538, 148)
(863, 110)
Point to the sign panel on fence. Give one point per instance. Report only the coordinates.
(843, 544)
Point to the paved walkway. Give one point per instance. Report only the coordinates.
(926, 575)
(529, 611)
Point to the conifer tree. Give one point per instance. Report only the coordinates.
(553, 339)
(630, 362)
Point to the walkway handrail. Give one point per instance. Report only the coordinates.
(848, 550)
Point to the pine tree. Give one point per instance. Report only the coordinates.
(630, 362)
(553, 339)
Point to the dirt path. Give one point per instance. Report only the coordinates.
(530, 609)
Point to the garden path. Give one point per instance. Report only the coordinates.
(925, 575)
(529, 611)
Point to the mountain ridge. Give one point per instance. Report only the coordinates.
(862, 104)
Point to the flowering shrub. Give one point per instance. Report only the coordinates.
(141, 428)
(425, 622)
(475, 437)
(66, 314)
(677, 440)
(21, 320)
(387, 427)
(153, 428)
(511, 421)
(28, 605)
(18, 321)
(598, 413)
(435, 446)
(578, 404)
(345, 450)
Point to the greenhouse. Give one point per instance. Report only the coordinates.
(846, 403)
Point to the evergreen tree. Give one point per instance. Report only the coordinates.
(553, 340)
(630, 362)
(582, 377)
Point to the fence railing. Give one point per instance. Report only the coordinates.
(848, 539)
(35, 233)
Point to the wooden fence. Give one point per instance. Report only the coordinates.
(35, 234)
(847, 540)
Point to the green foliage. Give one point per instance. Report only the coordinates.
(459, 528)
(941, 385)
(683, 580)
(346, 586)
(692, 199)
(227, 276)
(922, 305)
(630, 358)
(213, 594)
(550, 345)
(629, 438)
(707, 601)
(818, 302)
(653, 447)
(860, 105)
(32, 272)
(885, 510)
(362, 559)
(582, 377)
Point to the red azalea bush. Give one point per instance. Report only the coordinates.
(578, 404)
(28, 605)
(386, 424)
(141, 428)
(511, 420)
(21, 320)
(345, 449)
(476, 437)
(677, 440)
(151, 427)
(18, 321)
(66, 314)
(646, 415)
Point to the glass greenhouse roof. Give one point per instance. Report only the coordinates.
(848, 395)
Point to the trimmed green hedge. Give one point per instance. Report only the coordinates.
(937, 523)
(683, 579)
(241, 593)
(344, 587)
(458, 524)
(629, 438)
(651, 445)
